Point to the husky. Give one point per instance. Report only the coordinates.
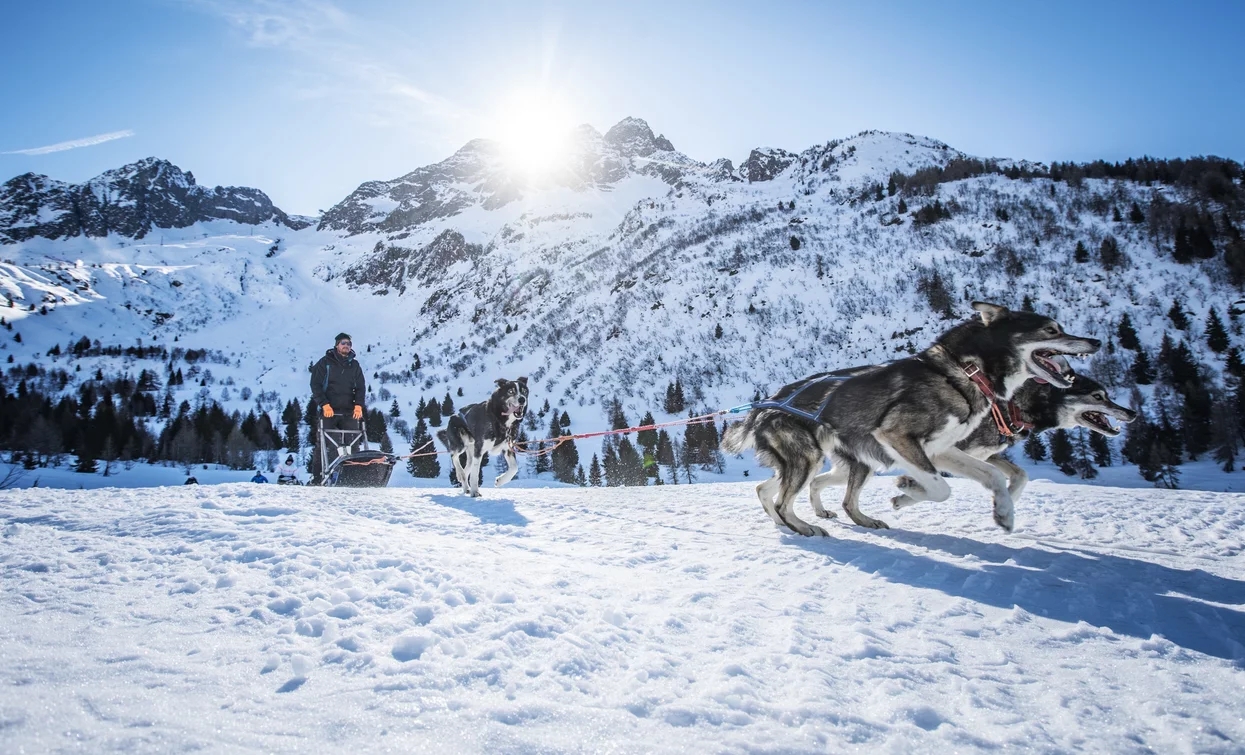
(485, 428)
(1086, 404)
(912, 413)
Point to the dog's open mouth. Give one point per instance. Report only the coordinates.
(1099, 422)
(1056, 367)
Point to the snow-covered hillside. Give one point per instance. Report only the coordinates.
(255, 618)
(623, 267)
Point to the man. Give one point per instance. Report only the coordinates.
(259, 477)
(339, 389)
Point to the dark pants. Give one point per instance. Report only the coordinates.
(339, 421)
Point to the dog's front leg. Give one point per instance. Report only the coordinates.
(988, 475)
(1017, 478)
(512, 468)
(923, 483)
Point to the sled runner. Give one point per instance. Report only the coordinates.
(345, 467)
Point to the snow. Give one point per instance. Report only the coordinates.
(256, 618)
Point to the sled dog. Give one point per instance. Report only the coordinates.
(1086, 404)
(485, 428)
(911, 414)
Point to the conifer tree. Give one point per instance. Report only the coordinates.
(1101, 449)
(1216, 333)
(610, 464)
(580, 479)
(433, 411)
(1109, 253)
(447, 405)
(565, 456)
(1081, 254)
(1034, 448)
(630, 464)
(1178, 316)
(1135, 215)
(394, 410)
(1127, 334)
(1081, 456)
(594, 472)
(1061, 452)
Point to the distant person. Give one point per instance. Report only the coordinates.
(339, 389)
(287, 473)
(191, 481)
(259, 477)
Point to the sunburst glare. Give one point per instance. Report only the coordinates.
(534, 131)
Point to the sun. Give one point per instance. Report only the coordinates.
(534, 131)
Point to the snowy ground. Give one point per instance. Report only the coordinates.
(246, 618)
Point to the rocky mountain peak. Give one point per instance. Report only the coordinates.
(632, 137)
(130, 201)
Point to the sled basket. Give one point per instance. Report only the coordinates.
(365, 469)
(350, 468)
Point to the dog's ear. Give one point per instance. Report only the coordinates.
(502, 382)
(522, 381)
(990, 312)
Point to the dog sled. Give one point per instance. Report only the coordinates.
(345, 467)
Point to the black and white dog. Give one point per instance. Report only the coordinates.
(1086, 404)
(485, 428)
(912, 414)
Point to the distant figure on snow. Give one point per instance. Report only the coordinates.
(259, 477)
(191, 481)
(287, 473)
(339, 389)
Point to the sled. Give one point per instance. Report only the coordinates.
(350, 468)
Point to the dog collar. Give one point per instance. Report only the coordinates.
(1009, 423)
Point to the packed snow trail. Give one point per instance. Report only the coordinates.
(260, 618)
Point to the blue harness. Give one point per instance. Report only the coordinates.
(786, 405)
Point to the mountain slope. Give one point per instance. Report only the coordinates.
(130, 201)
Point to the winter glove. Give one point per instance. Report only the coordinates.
(328, 411)
(358, 412)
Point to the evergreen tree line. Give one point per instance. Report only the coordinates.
(1209, 178)
(1190, 416)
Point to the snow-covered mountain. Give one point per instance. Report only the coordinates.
(616, 270)
(130, 201)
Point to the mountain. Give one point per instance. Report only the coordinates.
(627, 264)
(479, 176)
(130, 201)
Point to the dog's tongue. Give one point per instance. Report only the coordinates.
(1041, 381)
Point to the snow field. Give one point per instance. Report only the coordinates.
(259, 618)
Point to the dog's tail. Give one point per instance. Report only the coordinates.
(741, 435)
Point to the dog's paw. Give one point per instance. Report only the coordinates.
(1006, 521)
(901, 501)
(904, 482)
(812, 530)
(824, 514)
(875, 524)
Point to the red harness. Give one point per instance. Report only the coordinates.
(1010, 423)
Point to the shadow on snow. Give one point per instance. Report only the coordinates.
(487, 510)
(1129, 596)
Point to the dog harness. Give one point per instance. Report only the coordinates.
(1010, 424)
(786, 405)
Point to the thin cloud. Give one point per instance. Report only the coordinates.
(89, 141)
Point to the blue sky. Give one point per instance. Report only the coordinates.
(306, 99)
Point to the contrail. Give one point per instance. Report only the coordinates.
(89, 141)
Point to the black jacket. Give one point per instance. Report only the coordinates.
(338, 382)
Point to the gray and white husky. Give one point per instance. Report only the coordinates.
(911, 414)
(1086, 404)
(485, 428)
